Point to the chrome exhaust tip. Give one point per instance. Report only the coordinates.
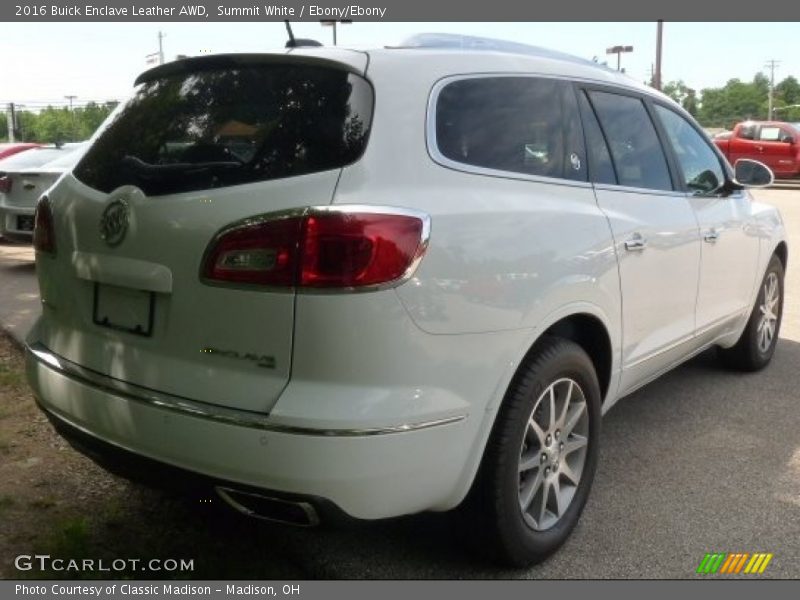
(268, 508)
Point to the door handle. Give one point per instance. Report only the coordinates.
(636, 243)
(711, 236)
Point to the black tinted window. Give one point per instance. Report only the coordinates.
(635, 149)
(221, 127)
(748, 131)
(702, 171)
(600, 165)
(520, 124)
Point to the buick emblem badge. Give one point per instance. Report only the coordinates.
(114, 223)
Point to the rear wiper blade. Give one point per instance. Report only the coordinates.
(148, 169)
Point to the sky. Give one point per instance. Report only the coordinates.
(43, 62)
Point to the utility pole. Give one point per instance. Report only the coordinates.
(11, 121)
(659, 44)
(71, 113)
(161, 37)
(771, 65)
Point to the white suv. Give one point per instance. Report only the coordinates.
(327, 281)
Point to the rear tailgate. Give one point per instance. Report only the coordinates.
(123, 294)
(19, 202)
(27, 186)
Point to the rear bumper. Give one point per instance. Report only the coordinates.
(366, 474)
(160, 475)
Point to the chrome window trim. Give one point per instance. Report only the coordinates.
(220, 414)
(375, 209)
(439, 158)
(626, 189)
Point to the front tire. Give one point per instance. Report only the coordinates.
(541, 457)
(755, 348)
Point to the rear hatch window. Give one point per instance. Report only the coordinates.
(227, 125)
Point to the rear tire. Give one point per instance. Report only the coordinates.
(756, 346)
(541, 457)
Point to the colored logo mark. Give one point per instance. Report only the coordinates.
(734, 563)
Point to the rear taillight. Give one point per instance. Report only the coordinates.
(5, 184)
(44, 237)
(336, 247)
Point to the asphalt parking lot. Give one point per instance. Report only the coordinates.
(702, 460)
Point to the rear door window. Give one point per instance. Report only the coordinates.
(523, 125)
(223, 126)
(635, 148)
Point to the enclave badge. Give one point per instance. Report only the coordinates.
(114, 223)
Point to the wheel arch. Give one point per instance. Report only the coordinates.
(782, 252)
(591, 334)
(583, 324)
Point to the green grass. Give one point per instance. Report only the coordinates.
(11, 377)
(6, 502)
(71, 539)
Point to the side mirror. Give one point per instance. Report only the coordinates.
(751, 173)
(789, 140)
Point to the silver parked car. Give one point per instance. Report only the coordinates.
(24, 178)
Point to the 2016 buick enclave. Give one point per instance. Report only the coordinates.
(390, 281)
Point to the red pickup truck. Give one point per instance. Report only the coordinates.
(773, 143)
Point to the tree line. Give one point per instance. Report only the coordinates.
(57, 124)
(738, 101)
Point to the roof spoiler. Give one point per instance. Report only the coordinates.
(236, 61)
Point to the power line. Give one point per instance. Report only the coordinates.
(54, 102)
(38, 106)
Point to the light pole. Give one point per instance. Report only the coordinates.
(618, 50)
(333, 24)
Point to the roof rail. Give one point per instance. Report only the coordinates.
(468, 42)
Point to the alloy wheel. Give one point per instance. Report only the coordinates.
(769, 309)
(553, 453)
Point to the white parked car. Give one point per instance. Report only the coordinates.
(376, 283)
(24, 177)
